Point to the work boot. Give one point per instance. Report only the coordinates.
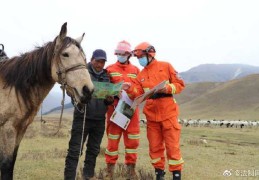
(90, 178)
(176, 175)
(131, 173)
(109, 172)
(160, 174)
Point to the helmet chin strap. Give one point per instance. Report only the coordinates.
(149, 61)
(127, 62)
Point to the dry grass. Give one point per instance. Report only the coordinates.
(207, 152)
(236, 99)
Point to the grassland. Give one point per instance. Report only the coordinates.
(207, 151)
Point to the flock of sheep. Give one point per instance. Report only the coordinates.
(218, 123)
(214, 123)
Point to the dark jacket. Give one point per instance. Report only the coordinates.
(96, 109)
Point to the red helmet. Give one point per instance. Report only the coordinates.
(144, 48)
(123, 48)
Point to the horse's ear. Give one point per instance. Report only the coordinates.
(63, 31)
(62, 35)
(79, 39)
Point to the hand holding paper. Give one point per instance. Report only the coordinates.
(126, 86)
(138, 100)
(123, 112)
(108, 100)
(163, 90)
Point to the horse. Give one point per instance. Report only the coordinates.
(25, 81)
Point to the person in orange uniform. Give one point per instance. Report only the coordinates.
(161, 110)
(122, 71)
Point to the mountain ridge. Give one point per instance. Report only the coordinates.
(218, 72)
(234, 99)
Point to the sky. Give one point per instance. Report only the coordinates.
(185, 33)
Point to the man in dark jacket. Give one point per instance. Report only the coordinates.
(94, 124)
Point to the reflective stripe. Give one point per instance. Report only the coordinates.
(113, 153)
(131, 151)
(146, 89)
(173, 88)
(175, 162)
(175, 101)
(155, 160)
(113, 74)
(132, 75)
(133, 136)
(113, 136)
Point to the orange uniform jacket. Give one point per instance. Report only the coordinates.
(162, 108)
(121, 73)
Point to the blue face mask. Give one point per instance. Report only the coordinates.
(122, 59)
(143, 61)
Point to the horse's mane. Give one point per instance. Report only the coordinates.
(31, 71)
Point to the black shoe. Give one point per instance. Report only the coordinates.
(176, 175)
(160, 174)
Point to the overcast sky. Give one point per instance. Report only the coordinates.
(185, 32)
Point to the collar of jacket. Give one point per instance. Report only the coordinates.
(151, 64)
(91, 71)
(123, 66)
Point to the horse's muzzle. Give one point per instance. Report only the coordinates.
(87, 95)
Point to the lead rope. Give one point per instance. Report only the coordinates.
(82, 142)
(62, 108)
(41, 113)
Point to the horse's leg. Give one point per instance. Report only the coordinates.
(8, 166)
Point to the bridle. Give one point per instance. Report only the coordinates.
(61, 72)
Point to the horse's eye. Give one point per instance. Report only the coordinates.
(65, 55)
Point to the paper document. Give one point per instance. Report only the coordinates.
(102, 89)
(123, 112)
(138, 100)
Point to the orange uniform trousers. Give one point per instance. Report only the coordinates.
(130, 138)
(165, 135)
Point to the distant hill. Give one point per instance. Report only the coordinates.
(67, 107)
(53, 100)
(235, 99)
(218, 72)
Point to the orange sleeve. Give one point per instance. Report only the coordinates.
(176, 84)
(135, 89)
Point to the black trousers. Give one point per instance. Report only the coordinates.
(94, 130)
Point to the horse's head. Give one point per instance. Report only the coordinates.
(69, 67)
